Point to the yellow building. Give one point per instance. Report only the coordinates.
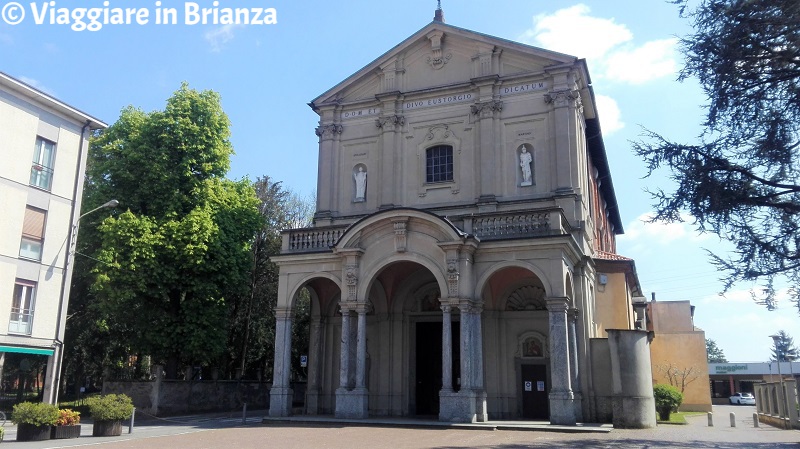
(678, 353)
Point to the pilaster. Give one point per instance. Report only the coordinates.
(562, 409)
(280, 395)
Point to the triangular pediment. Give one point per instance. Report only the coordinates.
(441, 55)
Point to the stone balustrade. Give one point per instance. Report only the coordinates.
(492, 226)
(311, 239)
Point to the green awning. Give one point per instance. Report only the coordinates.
(23, 350)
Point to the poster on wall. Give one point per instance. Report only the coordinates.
(528, 385)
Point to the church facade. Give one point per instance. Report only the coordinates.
(464, 205)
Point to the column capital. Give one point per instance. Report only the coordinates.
(557, 304)
(362, 307)
(470, 306)
(284, 314)
(346, 307)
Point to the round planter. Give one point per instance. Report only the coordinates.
(107, 428)
(29, 432)
(62, 432)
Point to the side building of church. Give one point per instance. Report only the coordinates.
(462, 261)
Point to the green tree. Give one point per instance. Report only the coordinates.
(741, 178)
(166, 265)
(714, 352)
(783, 348)
(251, 314)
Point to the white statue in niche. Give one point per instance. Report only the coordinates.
(525, 162)
(361, 183)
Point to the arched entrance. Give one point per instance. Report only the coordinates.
(521, 368)
(411, 296)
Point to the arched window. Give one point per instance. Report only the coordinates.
(439, 164)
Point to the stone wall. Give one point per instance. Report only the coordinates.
(172, 397)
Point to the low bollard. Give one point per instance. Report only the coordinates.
(733, 419)
(710, 419)
(130, 427)
(755, 419)
(244, 413)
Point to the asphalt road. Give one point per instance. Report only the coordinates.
(227, 432)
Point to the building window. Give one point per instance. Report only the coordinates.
(21, 321)
(42, 168)
(439, 164)
(32, 234)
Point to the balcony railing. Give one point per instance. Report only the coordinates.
(487, 227)
(21, 321)
(515, 225)
(311, 239)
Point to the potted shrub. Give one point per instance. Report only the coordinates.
(108, 411)
(67, 425)
(33, 420)
(667, 398)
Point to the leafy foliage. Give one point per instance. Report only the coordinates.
(178, 247)
(740, 180)
(784, 350)
(668, 398)
(714, 352)
(251, 314)
(68, 417)
(35, 413)
(110, 407)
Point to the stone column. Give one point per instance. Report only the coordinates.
(328, 131)
(344, 364)
(280, 395)
(574, 364)
(390, 124)
(361, 350)
(314, 366)
(477, 341)
(562, 410)
(565, 99)
(487, 112)
(447, 350)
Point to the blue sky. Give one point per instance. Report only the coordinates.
(268, 73)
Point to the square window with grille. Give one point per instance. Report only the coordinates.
(42, 167)
(21, 320)
(439, 164)
(32, 234)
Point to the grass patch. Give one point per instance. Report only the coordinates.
(679, 417)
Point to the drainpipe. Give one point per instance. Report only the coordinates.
(58, 355)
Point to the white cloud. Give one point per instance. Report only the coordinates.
(574, 32)
(220, 36)
(661, 233)
(37, 84)
(653, 60)
(608, 46)
(608, 111)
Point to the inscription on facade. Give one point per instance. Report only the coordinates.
(438, 101)
(522, 88)
(361, 113)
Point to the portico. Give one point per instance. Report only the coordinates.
(463, 194)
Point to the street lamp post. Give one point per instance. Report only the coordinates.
(785, 403)
(53, 381)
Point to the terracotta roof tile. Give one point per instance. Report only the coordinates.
(603, 255)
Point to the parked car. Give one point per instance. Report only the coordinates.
(743, 399)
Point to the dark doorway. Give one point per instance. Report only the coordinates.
(429, 365)
(535, 403)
